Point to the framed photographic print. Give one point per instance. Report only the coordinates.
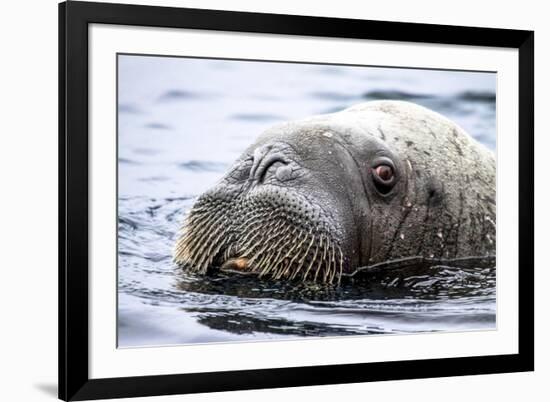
(259, 200)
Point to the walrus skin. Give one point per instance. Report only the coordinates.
(318, 198)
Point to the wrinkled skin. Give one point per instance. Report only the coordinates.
(305, 200)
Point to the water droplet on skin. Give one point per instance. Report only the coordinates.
(327, 134)
(440, 235)
(402, 236)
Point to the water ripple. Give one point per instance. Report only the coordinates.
(157, 126)
(178, 95)
(204, 166)
(256, 117)
(394, 95)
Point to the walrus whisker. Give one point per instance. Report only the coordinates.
(325, 261)
(266, 268)
(285, 265)
(275, 256)
(227, 253)
(270, 235)
(324, 267)
(251, 242)
(263, 265)
(292, 241)
(305, 254)
(298, 265)
(186, 243)
(296, 255)
(207, 243)
(261, 253)
(252, 245)
(324, 255)
(288, 246)
(184, 248)
(318, 268)
(202, 219)
(210, 254)
(181, 243)
(268, 256)
(204, 244)
(222, 244)
(206, 228)
(311, 263)
(337, 264)
(207, 203)
(199, 246)
(248, 239)
(341, 265)
(253, 227)
(334, 270)
(197, 216)
(332, 263)
(255, 255)
(265, 262)
(252, 220)
(274, 260)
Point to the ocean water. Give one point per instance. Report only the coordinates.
(181, 124)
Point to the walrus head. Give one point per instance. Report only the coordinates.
(319, 198)
(294, 205)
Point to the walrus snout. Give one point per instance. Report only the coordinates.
(260, 218)
(267, 229)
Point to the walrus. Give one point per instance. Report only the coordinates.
(323, 197)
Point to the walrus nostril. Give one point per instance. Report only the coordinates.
(263, 160)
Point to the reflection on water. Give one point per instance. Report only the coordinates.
(182, 122)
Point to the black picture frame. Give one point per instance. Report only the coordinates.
(74, 381)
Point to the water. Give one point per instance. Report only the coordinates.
(182, 122)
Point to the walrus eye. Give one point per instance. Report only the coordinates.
(384, 177)
(384, 172)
